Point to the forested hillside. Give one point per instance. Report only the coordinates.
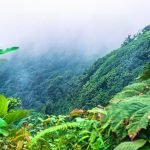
(41, 80)
(108, 75)
(55, 82)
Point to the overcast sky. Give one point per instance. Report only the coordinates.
(90, 26)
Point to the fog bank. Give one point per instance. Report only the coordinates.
(88, 26)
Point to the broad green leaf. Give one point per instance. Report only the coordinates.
(4, 132)
(16, 115)
(3, 106)
(135, 145)
(84, 132)
(2, 123)
(83, 138)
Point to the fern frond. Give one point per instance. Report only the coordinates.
(45, 132)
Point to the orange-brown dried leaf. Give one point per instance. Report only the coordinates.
(132, 135)
(76, 112)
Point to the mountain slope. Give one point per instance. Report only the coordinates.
(51, 83)
(40, 81)
(108, 75)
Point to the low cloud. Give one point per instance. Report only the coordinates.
(89, 26)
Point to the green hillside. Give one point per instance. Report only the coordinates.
(55, 82)
(42, 80)
(108, 75)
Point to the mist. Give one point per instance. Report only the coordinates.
(89, 27)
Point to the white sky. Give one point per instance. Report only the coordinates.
(88, 25)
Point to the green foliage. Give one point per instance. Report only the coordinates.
(14, 103)
(146, 74)
(3, 125)
(123, 124)
(97, 110)
(7, 50)
(3, 106)
(13, 116)
(81, 134)
(147, 28)
(127, 40)
(53, 129)
(128, 115)
(135, 145)
(110, 74)
(9, 117)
